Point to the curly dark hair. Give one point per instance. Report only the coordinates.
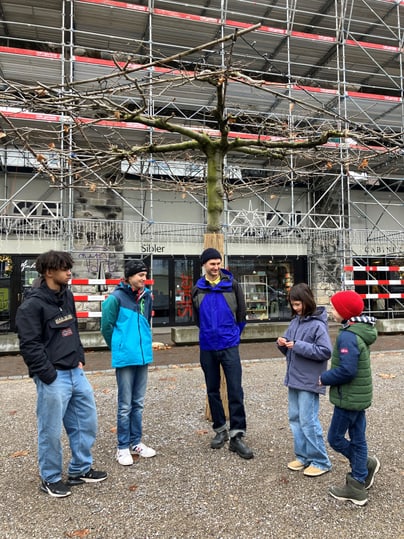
(53, 260)
(302, 292)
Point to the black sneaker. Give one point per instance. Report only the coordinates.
(92, 476)
(57, 489)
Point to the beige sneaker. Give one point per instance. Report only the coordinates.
(124, 457)
(296, 465)
(312, 471)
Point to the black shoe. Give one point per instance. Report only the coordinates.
(238, 446)
(92, 476)
(219, 440)
(57, 490)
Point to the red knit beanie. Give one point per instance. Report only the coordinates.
(347, 304)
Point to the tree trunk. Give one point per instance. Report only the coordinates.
(217, 242)
(214, 191)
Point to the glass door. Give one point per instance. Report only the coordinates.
(21, 278)
(161, 291)
(184, 281)
(173, 282)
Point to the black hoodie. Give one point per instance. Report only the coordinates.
(48, 332)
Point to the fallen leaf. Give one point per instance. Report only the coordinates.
(18, 454)
(386, 376)
(202, 431)
(79, 533)
(12, 412)
(160, 346)
(112, 429)
(132, 488)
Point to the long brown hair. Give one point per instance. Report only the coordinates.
(302, 292)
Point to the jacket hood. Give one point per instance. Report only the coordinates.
(364, 326)
(225, 276)
(41, 290)
(319, 314)
(127, 289)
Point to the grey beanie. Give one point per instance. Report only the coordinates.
(134, 266)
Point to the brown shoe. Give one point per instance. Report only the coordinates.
(312, 471)
(296, 465)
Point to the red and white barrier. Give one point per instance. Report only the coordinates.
(370, 282)
(373, 268)
(99, 297)
(376, 282)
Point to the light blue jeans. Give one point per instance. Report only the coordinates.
(132, 382)
(68, 401)
(305, 425)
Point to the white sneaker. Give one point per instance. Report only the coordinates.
(143, 451)
(124, 457)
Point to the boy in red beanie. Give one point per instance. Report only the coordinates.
(350, 378)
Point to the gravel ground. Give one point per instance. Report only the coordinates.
(191, 491)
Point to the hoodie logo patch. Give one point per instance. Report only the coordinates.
(62, 319)
(67, 332)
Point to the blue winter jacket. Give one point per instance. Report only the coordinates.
(312, 348)
(219, 312)
(350, 376)
(125, 326)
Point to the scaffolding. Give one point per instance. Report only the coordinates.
(311, 66)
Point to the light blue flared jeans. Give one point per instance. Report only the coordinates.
(68, 401)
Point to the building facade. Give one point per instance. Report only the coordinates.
(310, 216)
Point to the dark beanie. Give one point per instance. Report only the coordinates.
(347, 304)
(134, 266)
(208, 254)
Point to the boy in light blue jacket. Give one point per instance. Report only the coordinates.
(125, 326)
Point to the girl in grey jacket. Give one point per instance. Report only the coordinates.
(307, 347)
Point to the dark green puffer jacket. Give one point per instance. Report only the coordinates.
(350, 376)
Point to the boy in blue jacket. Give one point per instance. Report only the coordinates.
(125, 326)
(350, 378)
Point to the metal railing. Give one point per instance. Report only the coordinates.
(107, 232)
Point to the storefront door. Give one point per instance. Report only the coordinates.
(173, 281)
(20, 279)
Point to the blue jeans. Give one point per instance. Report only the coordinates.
(355, 449)
(229, 359)
(69, 400)
(132, 382)
(305, 425)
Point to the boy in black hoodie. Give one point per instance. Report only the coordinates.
(51, 347)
